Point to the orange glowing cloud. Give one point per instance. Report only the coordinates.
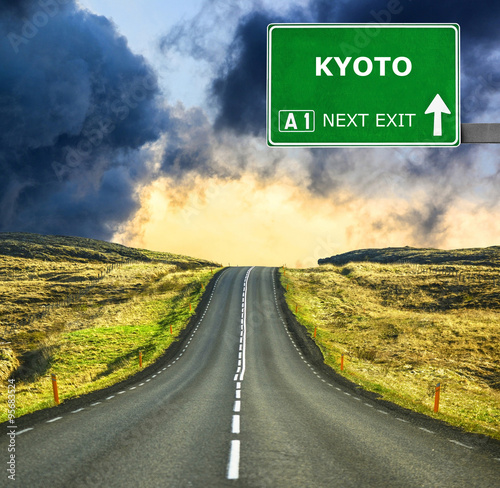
(243, 222)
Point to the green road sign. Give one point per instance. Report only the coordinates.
(363, 85)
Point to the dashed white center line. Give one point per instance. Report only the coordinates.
(236, 424)
(233, 466)
(234, 454)
(110, 397)
(426, 430)
(79, 410)
(95, 404)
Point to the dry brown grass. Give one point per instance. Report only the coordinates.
(403, 328)
(86, 318)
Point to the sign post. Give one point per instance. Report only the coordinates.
(363, 85)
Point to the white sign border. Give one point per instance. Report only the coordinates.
(455, 143)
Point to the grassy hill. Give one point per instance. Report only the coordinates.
(83, 308)
(488, 256)
(80, 249)
(406, 319)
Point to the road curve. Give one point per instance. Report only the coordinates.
(242, 405)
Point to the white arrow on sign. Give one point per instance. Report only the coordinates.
(437, 107)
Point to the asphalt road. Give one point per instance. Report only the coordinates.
(240, 404)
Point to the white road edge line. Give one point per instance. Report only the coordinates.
(53, 420)
(23, 431)
(460, 444)
(233, 466)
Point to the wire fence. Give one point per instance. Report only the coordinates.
(10, 326)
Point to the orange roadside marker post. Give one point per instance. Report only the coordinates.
(54, 388)
(315, 331)
(436, 398)
(170, 329)
(140, 359)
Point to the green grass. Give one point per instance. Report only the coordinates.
(93, 358)
(403, 329)
(93, 340)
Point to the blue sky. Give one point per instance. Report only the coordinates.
(143, 28)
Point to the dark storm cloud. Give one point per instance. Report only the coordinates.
(75, 106)
(16, 7)
(189, 143)
(239, 90)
